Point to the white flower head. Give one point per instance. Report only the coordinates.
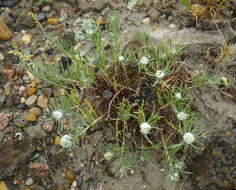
(178, 95)
(57, 114)
(188, 138)
(182, 116)
(179, 165)
(66, 141)
(174, 176)
(160, 74)
(145, 128)
(121, 58)
(144, 61)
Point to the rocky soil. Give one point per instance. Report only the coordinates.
(30, 157)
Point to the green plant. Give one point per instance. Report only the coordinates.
(139, 91)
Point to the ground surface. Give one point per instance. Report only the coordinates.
(29, 158)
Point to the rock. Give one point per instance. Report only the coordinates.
(29, 181)
(27, 21)
(41, 16)
(7, 88)
(5, 33)
(30, 117)
(57, 140)
(153, 14)
(3, 186)
(42, 101)
(31, 100)
(36, 111)
(1, 56)
(31, 91)
(146, 20)
(9, 73)
(48, 126)
(52, 21)
(26, 39)
(4, 121)
(70, 176)
(215, 168)
(13, 154)
(40, 169)
(46, 8)
(35, 132)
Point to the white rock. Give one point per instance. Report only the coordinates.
(29, 181)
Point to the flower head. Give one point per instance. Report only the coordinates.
(66, 141)
(144, 61)
(188, 138)
(160, 74)
(145, 128)
(178, 95)
(121, 58)
(182, 116)
(174, 176)
(57, 114)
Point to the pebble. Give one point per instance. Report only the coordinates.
(41, 16)
(22, 100)
(146, 20)
(22, 90)
(31, 100)
(4, 121)
(9, 73)
(30, 117)
(46, 8)
(42, 101)
(36, 111)
(31, 91)
(35, 132)
(26, 39)
(52, 21)
(3, 186)
(70, 176)
(48, 126)
(29, 181)
(1, 56)
(5, 33)
(172, 26)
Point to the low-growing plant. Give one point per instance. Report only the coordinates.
(140, 92)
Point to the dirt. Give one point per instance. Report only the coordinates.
(205, 45)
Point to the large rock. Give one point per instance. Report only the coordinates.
(5, 33)
(12, 155)
(215, 168)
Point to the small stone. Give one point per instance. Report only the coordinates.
(26, 39)
(57, 140)
(1, 56)
(70, 176)
(22, 100)
(29, 181)
(3, 186)
(100, 21)
(42, 101)
(46, 8)
(30, 117)
(21, 89)
(52, 21)
(4, 121)
(146, 20)
(36, 111)
(31, 91)
(172, 26)
(35, 132)
(9, 73)
(5, 33)
(108, 156)
(31, 100)
(48, 126)
(41, 16)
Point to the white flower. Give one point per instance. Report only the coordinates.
(145, 128)
(144, 61)
(188, 138)
(179, 165)
(174, 176)
(66, 141)
(121, 58)
(182, 116)
(178, 95)
(160, 74)
(57, 114)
